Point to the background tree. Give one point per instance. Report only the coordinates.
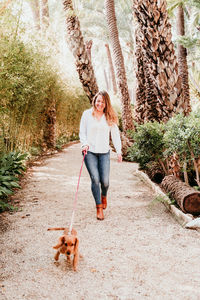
(35, 7)
(112, 71)
(77, 46)
(189, 41)
(154, 36)
(182, 62)
(94, 26)
(127, 120)
(45, 13)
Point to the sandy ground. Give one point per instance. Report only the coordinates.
(138, 252)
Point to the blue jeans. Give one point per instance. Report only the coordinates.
(98, 166)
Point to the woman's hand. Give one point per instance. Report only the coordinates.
(85, 149)
(119, 158)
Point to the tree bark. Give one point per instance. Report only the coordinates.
(140, 109)
(155, 39)
(186, 197)
(182, 63)
(77, 46)
(88, 46)
(112, 72)
(127, 119)
(45, 14)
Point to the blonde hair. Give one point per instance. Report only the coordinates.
(110, 114)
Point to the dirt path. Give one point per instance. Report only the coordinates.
(137, 252)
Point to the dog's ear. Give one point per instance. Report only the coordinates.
(60, 242)
(76, 245)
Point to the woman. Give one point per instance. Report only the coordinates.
(95, 127)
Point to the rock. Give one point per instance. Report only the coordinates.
(194, 224)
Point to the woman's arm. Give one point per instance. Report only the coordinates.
(83, 132)
(115, 135)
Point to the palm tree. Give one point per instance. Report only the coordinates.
(93, 21)
(112, 71)
(182, 61)
(77, 46)
(140, 108)
(154, 37)
(127, 120)
(36, 13)
(45, 13)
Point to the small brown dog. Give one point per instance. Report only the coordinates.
(68, 245)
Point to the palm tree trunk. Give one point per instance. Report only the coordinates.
(88, 46)
(106, 80)
(77, 46)
(45, 14)
(140, 108)
(112, 72)
(158, 50)
(182, 62)
(127, 119)
(36, 13)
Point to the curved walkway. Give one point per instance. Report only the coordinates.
(138, 252)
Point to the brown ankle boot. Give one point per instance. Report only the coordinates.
(100, 215)
(104, 201)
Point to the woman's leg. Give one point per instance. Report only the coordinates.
(104, 172)
(91, 162)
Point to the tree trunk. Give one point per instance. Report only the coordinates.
(88, 46)
(36, 13)
(106, 80)
(140, 109)
(77, 46)
(182, 63)
(154, 38)
(155, 171)
(45, 14)
(127, 119)
(112, 72)
(186, 197)
(50, 126)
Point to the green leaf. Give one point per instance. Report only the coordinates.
(5, 191)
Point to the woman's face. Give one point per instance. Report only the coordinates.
(100, 104)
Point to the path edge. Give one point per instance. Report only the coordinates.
(182, 218)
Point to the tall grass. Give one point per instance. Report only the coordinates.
(29, 84)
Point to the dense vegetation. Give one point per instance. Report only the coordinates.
(30, 82)
(174, 146)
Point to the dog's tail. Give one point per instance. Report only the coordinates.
(57, 228)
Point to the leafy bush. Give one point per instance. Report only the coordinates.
(178, 140)
(11, 166)
(182, 136)
(148, 143)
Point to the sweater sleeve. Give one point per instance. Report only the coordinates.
(115, 135)
(83, 130)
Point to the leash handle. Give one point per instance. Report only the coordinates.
(75, 200)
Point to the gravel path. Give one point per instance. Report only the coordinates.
(138, 252)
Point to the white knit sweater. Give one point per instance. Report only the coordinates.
(96, 133)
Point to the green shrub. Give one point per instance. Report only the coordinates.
(148, 143)
(158, 143)
(11, 166)
(182, 136)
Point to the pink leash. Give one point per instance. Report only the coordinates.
(75, 200)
